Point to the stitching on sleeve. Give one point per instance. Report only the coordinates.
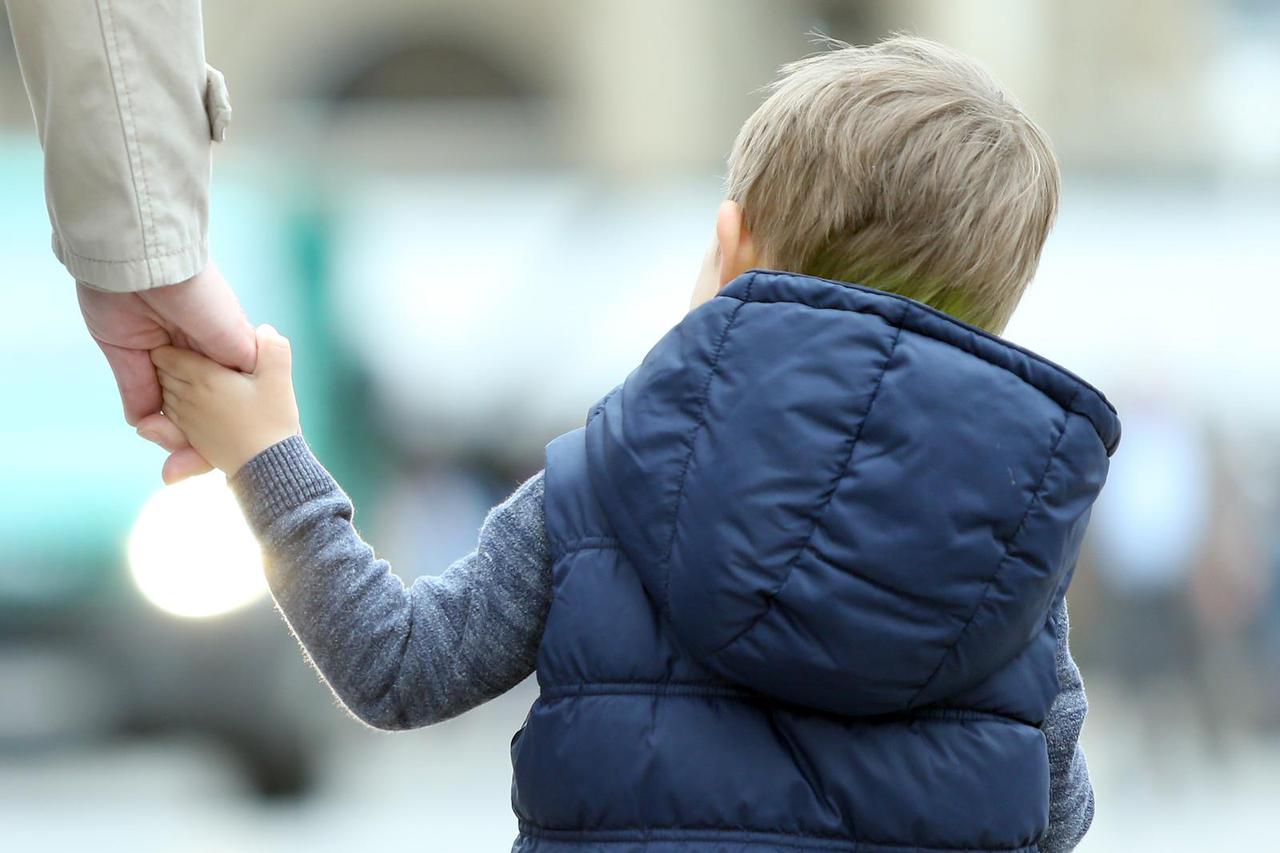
(124, 105)
(148, 257)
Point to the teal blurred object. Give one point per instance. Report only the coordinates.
(75, 478)
(75, 475)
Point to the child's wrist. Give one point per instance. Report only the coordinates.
(252, 450)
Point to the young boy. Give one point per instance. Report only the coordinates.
(799, 582)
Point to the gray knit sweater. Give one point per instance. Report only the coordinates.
(399, 658)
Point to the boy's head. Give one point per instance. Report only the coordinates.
(903, 166)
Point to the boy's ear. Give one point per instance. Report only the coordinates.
(737, 249)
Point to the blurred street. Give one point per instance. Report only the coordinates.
(446, 789)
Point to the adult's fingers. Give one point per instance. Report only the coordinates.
(183, 461)
(136, 378)
(158, 429)
(182, 464)
(205, 311)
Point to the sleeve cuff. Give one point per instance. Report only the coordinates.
(279, 480)
(133, 274)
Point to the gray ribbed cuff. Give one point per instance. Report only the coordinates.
(279, 480)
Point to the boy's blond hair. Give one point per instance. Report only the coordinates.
(903, 166)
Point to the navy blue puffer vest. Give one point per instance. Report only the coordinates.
(805, 564)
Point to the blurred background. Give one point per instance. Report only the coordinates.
(473, 217)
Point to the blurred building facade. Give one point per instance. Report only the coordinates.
(630, 90)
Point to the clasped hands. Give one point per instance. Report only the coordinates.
(194, 376)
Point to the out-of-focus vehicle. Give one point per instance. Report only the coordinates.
(124, 607)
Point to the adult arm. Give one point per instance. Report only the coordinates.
(1070, 791)
(398, 657)
(126, 109)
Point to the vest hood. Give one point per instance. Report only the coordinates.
(844, 499)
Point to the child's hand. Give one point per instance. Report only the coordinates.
(228, 416)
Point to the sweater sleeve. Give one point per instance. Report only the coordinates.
(125, 108)
(1070, 791)
(398, 657)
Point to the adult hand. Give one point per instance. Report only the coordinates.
(200, 314)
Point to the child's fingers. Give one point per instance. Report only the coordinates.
(182, 363)
(174, 406)
(170, 380)
(274, 353)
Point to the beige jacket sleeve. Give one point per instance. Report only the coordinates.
(126, 109)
